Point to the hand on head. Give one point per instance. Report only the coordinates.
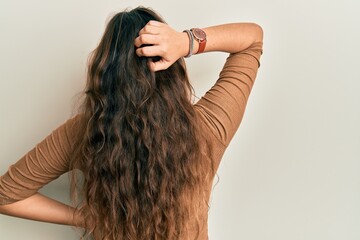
(157, 39)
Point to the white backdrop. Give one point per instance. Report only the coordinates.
(292, 170)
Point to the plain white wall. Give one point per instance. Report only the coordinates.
(292, 170)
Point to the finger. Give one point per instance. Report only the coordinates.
(156, 23)
(159, 65)
(150, 29)
(146, 39)
(149, 51)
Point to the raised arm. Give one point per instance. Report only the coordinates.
(232, 37)
(223, 106)
(172, 45)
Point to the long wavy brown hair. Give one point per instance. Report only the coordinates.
(143, 167)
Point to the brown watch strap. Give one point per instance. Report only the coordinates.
(202, 45)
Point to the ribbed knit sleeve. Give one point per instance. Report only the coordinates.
(44, 163)
(223, 106)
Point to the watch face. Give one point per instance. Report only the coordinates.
(199, 34)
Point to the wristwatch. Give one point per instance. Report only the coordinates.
(199, 36)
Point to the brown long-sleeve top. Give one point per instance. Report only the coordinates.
(220, 109)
